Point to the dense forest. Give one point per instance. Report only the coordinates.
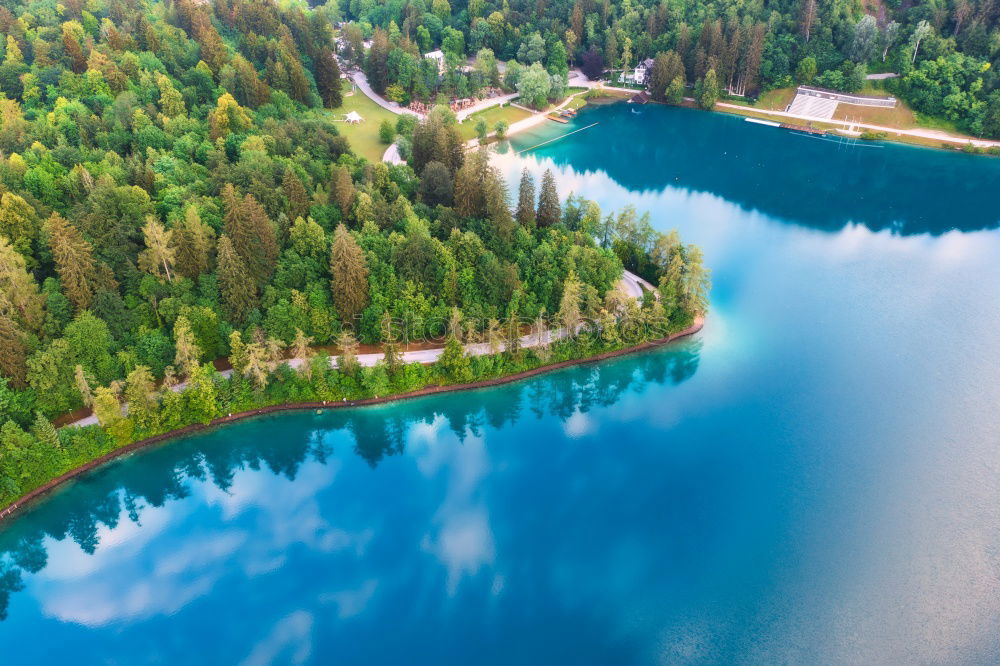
(947, 52)
(173, 193)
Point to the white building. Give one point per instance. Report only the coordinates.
(438, 58)
(642, 71)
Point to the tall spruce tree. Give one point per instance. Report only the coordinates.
(327, 72)
(349, 271)
(525, 213)
(13, 353)
(238, 288)
(342, 190)
(193, 241)
(548, 201)
(251, 233)
(19, 295)
(74, 259)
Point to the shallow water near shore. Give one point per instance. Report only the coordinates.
(815, 477)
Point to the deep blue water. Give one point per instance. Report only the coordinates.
(813, 478)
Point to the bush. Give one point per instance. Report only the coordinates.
(386, 132)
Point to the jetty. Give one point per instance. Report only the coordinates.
(802, 128)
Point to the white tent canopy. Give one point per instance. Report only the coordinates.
(353, 117)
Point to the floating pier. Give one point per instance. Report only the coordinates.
(802, 128)
(537, 145)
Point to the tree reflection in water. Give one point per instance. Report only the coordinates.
(282, 443)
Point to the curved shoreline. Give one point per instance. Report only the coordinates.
(33, 495)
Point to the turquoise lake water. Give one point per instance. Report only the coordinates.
(813, 478)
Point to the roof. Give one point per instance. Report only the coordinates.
(434, 54)
(354, 116)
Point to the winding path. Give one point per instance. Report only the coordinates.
(632, 285)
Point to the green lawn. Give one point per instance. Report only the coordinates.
(492, 115)
(363, 136)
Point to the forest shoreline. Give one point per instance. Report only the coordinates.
(25, 502)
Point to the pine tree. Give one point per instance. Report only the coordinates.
(83, 386)
(140, 395)
(237, 352)
(159, 256)
(13, 353)
(377, 65)
(74, 259)
(193, 241)
(45, 433)
(251, 234)
(526, 200)
(342, 189)
(19, 295)
(327, 73)
(347, 362)
(188, 354)
(391, 354)
(257, 365)
(19, 223)
(350, 275)
(569, 305)
(548, 201)
(295, 195)
(302, 351)
(238, 289)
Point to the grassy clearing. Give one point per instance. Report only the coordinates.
(492, 116)
(776, 100)
(363, 136)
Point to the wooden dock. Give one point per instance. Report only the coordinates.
(558, 119)
(802, 128)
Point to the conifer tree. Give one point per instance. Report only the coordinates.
(188, 355)
(391, 354)
(251, 234)
(295, 194)
(140, 395)
(74, 259)
(237, 287)
(350, 275)
(19, 223)
(13, 353)
(193, 241)
(159, 256)
(548, 201)
(257, 365)
(526, 200)
(83, 386)
(19, 295)
(45, 432)
(342, 189)
(327, 72)
(569, 305)
(302, 351)
(347, 362)
(237, 352)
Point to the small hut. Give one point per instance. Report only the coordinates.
(640, 98)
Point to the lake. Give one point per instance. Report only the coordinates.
(815, 477)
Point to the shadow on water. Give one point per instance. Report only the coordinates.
(281, 444)
(820, 182)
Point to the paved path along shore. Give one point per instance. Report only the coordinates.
(936, 135)
(631, 283)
